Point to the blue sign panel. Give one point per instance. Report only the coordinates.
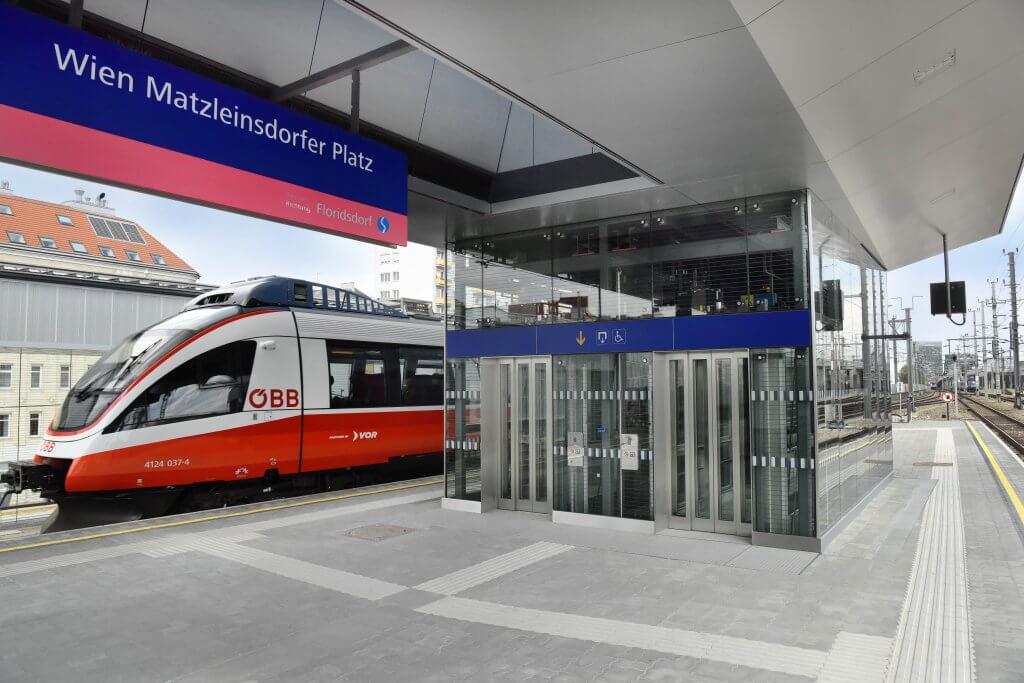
(743, 330)
(732, 331)
(78, 103)
(616, 336)
(499, 341)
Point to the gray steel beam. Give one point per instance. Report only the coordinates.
(75, 9)
(362, 62)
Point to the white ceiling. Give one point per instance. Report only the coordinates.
(415, 95)
(715, 99)
(719, 100)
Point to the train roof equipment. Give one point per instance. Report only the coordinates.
(274, 290)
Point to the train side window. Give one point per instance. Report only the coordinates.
(212, 383)
(358, 376)
(421, 371)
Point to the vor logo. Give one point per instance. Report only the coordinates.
(356, 436)
(274, 398)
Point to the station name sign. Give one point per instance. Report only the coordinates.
(76, 103)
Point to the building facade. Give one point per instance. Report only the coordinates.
(929, 358)
(411, 278)
(706, 368)
(74, 280)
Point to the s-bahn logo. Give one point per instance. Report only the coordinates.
(383, 224)
(274, 398)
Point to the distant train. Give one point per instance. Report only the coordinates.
(968, 384)
(266, 385)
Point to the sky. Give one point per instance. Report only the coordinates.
(977, 264)
(225, 247)
(221, 246)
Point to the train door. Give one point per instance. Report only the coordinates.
(274, 402)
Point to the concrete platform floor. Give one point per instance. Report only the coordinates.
(926, 584)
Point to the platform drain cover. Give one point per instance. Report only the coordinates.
(933, 464)
(378, 532)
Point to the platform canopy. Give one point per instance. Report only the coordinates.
(906, 118)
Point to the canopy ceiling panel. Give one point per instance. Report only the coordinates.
(464, 118)
(843, 36)
(274, 44)
(517, 42)
(518, 150)
(863, 102)
(391, 95)
(130, 13)
(714, 99)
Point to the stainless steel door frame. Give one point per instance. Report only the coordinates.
(724, 526)
(505, 428)
(524, 476)
(540, 434)
(667, 416)
(701, 519)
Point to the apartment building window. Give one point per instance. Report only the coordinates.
(5, 425)
(394, 276)
(79, 248)
(158, 259)
(65, 220)
(15, 237)
(35, 376)
(385, 277)
(132, 255)
(48, 242)
(108, 252)
(6, 210)
(6, 370)
(65, 377)
(33, 424)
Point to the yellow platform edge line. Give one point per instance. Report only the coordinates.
(1000, 475)
(27, 512)
(213, 518)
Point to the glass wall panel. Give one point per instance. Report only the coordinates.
(702, 438)
(517, 284)
(523, 446)
(540, 389)
(462, 429)
(852, 383)
(726, 501)
(603, 270)
(678, 416)
(728, 257)
(743, 255)
(596, 399)
(781, 411)
(464, 305)
(637, 416)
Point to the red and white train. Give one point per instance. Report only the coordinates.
(266, 385)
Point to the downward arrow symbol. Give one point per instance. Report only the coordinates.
(580, 339)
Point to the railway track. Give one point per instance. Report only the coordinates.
(1009, 427)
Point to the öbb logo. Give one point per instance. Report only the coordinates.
(274, 398)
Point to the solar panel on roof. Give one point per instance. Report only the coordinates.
(117, 231)
(99, 226)
(133, 233)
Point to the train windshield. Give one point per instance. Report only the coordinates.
(113, 373)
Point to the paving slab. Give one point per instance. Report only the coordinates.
(926, 582)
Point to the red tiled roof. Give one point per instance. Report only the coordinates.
(34, 219)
